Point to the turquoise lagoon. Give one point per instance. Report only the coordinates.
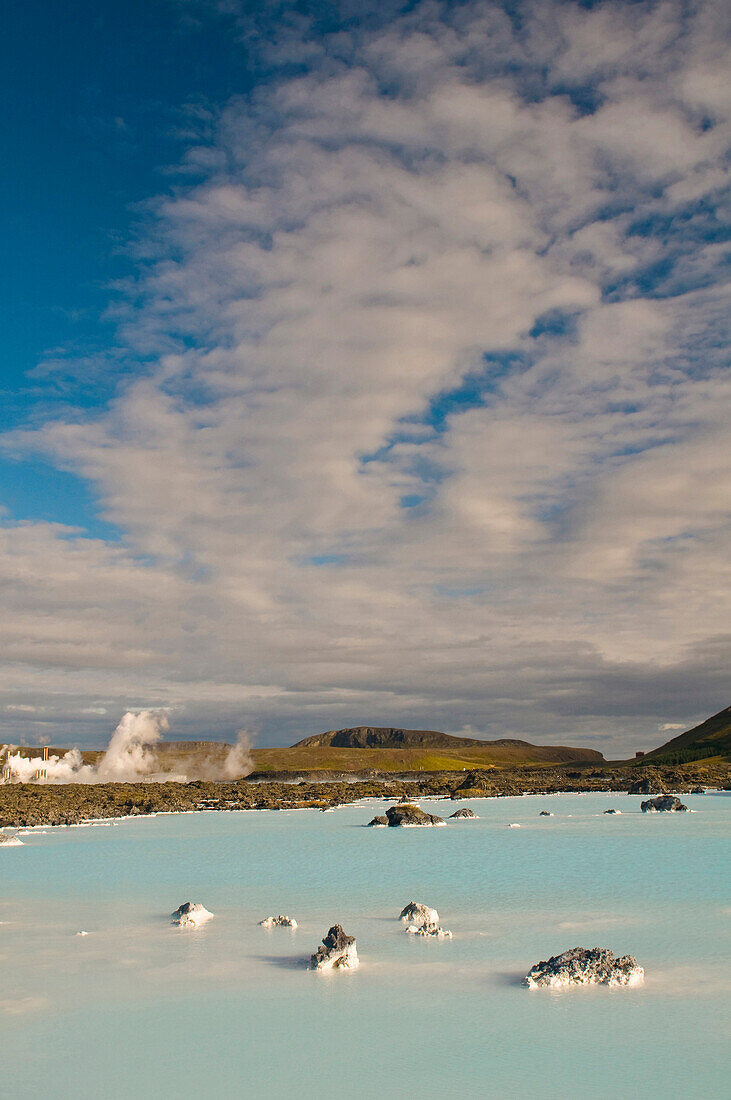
(139, 1008)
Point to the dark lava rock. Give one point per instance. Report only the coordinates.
(410, 815)
(697, 790)
(665, 804)
(612, 811)
(545, 813)
(478, 780)
(585, 966)
(464, 812)
(378, 820)
(649, 784)
(337, 952)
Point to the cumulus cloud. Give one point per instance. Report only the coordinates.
(433, 430)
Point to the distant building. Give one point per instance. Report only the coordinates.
(638, 755)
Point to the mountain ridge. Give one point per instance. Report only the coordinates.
(393, 737)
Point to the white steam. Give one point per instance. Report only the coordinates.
(239, 760)
(131, 757)
(57, 769)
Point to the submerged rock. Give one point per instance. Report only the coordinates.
(377, 822)
(418, 913)
(464, 812)
(409, 816)
(585, 966)
(337, 952)
(514, 825)
(191, 914)
(666, 803)
(612, 811)
(429, 929)
(278, 922)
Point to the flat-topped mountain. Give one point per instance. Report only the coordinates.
(380, 737)
(389, 737)
(710, 739)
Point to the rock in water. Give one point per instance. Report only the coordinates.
(191, 914)
(278, 922)
(377, 822)
(418, 913)
(585, 966)
(612, 811)
(337, 952)
(665, 804)
(464, 812)
(429, 929)
(409, 816)
(10, 841)
(545, 813)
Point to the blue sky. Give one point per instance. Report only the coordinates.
(101, 100)
(367, 365)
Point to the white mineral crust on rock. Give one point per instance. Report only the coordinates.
(191, 914)
(431, 929)
(278, 922)
(418, 913)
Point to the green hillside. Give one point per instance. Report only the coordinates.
(389, 749)
(710, 740)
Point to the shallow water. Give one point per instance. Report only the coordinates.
(139, 1007)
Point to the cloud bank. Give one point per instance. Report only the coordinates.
(430, 419)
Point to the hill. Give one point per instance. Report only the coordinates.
(365, 749)
(710, 740)
(388, 749)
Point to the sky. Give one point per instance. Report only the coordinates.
(365, 364)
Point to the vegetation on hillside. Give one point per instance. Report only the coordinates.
(711, 739)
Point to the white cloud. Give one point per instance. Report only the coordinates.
(364, 240)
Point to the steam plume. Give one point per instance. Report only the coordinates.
(131, 758)
(239, 760)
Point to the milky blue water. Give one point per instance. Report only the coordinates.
(140, 1008)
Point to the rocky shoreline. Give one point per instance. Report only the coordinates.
(29, 804)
